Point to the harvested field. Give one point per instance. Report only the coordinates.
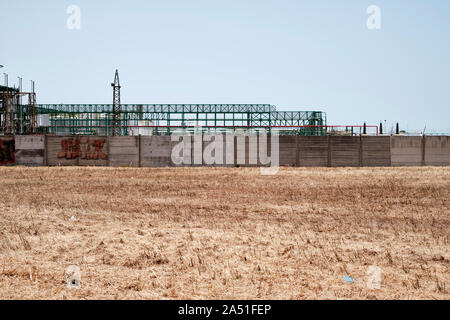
(197, 233)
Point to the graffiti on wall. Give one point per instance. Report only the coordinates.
(83, 148)
(7, 150)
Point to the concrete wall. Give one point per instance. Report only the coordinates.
(241, 149)
(59, 151)
(216, 151)
(406, 151)
(288, 151)
(182, 152)
(247, 152)
(376, 151)
(124, 151)
(237, 150)
(437, 151)
(156, 151)
(345, 151)
(313, 151)
(7, 151)
(30, 150)
(77, 151)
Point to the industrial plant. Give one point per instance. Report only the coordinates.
(138, 135)
(20, 114)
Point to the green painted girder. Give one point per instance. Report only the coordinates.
(90, 117)
(157, 108)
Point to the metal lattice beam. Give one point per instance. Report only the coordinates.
(166, 118)
(117, 121)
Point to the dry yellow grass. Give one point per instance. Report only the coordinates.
(197, 233)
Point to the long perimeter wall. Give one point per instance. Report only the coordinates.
(156, 151)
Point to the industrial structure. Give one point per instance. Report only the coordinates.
(117, 119)
(138, 135)
(164, 119)
(17, 109)
(117, 123)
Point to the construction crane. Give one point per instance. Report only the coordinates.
(117, 121)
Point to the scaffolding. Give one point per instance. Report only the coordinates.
(165, 119)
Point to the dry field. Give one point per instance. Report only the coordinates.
(198, 233)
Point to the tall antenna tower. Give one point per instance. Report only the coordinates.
(117, 125)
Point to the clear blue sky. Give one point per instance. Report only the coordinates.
(297, 55)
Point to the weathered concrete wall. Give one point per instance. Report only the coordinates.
(156, 151)
(77, 151)
(313, 151)
(242, 157)
(345, 151)
(437, 151)
(406, 151)
(7, 151)
(182, 152)
(215, 152)
(61, 151)
(124, 151)
(247, 151)
(376, 151)
(94, 151)
(288, 151)
(237, 150)
(193, 156)
(30, 150)
(265, 151)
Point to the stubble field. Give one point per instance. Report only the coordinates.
(218, 233)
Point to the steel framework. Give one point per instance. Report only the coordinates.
(117, 123)
(164, 119)
(15, 117)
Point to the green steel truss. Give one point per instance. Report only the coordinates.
(160, 108)
(166, 118)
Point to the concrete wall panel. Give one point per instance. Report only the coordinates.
(77, 151)
(217, 151)
(124, 151)
(156, 151)
(406, 151)
(7, 151)
(182, 151)
(288, 151)
(345, 151)
(376, 151)
(30, 150)
(437, 151)
(313, 151)
(253, 150)
(61, 151)
(241, 149)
